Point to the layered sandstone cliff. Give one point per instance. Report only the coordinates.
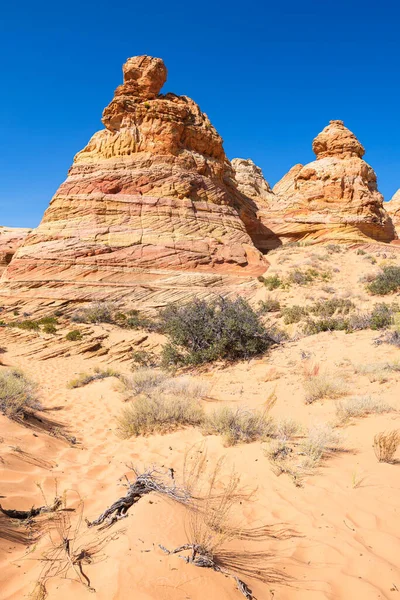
(147, 208)
(11, 239)
(393, 208)
(333, 198)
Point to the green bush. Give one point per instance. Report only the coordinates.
(312, 327)
(293, 314)
(74, 335)
(201, 332)
(327, 308)
(48, 321)
(27, 325)
(49, 328)
(272, 282)
(17, 394)
(381, 316)
(386, 282)
(269, 305)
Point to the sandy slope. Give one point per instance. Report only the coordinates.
(331, 540)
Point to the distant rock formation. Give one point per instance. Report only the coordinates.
(11, 239)
(334, 198)
(146, 212)
(250, 181)
(393, 208)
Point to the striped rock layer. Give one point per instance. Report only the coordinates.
(393, 208)
(147, 211)
(11, 238)
(334, 198)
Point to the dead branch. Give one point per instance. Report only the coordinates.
(152, 480)
(33, 512)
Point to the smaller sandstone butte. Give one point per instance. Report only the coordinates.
(250, 181)
(11, 239)
(334, 198)
(147, 212)
(393, 208)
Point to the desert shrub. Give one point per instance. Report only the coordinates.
(134, 320)
(381, 316)
(27, 325)
(334, 248)
(269, 305)
(278, 450)
(386, 282)
(391, 337)
(385, 445)
(374, 371)
(17, 394)
(74, 335)
(158, 413)
(272, 282)
(313, 326)
(361, 252)
(299, 277)
(277, 334)
(293, 314)
(360, 406)
(85, 378)
(50, 328)
(144, 358)
(202, 332)
(239, 425)
(323, 385)
(287, 428)
(51, 320)
(96, 312)
(185, 386)
(144, 380)
(327, 308)
(321, 440)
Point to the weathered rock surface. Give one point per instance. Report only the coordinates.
(250, 181)
(333, 198)
(147, 211)
(11, 239)
(393, 208)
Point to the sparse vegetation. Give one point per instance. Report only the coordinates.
(28, 325)
(360, 406)
(321, 441)
(269, 305)
(18, 395)
(96, 312)
(239, 425)
(74, 335)
(272, 282)
(327, 308)
(386, 444)
(293, 314)
(158, 413)
(49, 328)
(144, 380)
(323, 385)
(386, 282)
(202, 332)
(85, 378)
(299, 277)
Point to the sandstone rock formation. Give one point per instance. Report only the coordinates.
(146, 212)
(333, 198)
(250, 181)
(393, 208)
(11, 239)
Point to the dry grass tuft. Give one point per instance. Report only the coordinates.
(321, 440)
(386, 444)
(144, 381)
(85, 378)
(18, 395)
(158, 413)
(323, 385)
(360, 406)
(239, 425)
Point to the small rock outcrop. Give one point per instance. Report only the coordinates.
(11, 239)
(393, 208)
(145, 212)
(250, 181)
(333, 198)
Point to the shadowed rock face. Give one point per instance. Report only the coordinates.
(147, 197)
(393, 208)
(11, 239)
(333, 198)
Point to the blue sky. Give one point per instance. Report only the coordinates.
(270, 75)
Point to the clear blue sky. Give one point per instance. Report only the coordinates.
(270, 75)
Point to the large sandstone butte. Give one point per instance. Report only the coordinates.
(11, 239)
(334, 198)
(393, 208)
(147, 211)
